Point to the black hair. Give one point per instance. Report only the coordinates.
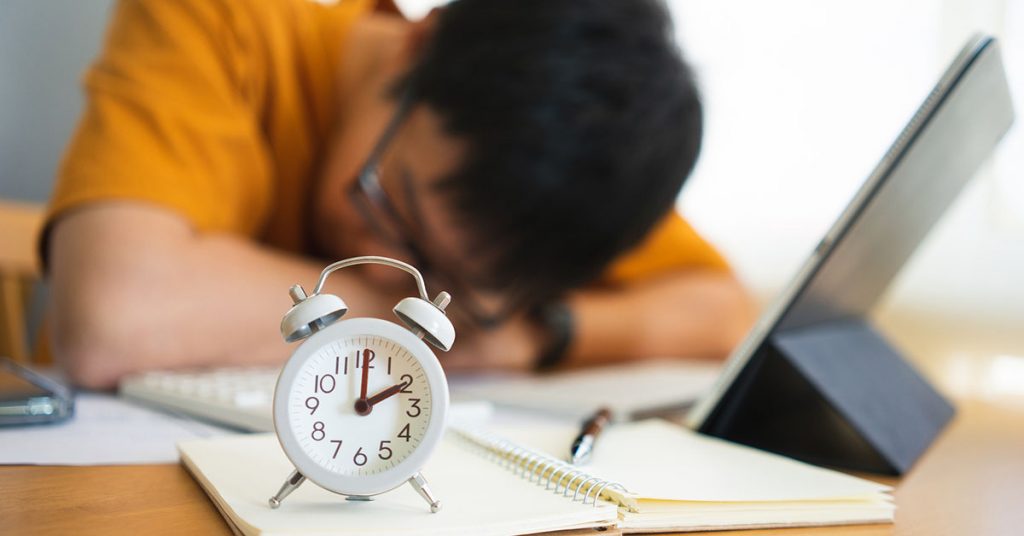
(582, 122)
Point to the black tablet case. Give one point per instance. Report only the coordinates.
(835, 394)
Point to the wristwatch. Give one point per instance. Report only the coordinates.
(556, 319)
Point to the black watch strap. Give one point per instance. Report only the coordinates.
(558, 321)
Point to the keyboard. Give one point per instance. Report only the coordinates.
(238, 397)
(243, 397)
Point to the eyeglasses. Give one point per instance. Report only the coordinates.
(380, 212)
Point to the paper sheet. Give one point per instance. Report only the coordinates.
(104, 430)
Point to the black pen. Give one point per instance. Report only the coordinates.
(583, 446)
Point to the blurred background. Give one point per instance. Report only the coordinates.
(802, 99)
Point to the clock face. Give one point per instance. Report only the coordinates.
(360, 405)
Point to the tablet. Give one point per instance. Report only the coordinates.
(953, 132)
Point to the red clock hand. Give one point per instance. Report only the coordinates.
(367, 356)
(363, 407)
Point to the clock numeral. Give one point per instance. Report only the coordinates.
(337, 361)
(415, 406)
(312, 403)
(318, 428)
(384, 447)
(346, 365)
(404, 433)
(359, 456)
(321, 385)
(389, 366)
(407, 380)
(337, 448)
(368, 357)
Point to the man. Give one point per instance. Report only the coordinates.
(525, 154)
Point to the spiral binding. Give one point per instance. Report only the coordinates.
(529, 464)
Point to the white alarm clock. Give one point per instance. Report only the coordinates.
(362, 403)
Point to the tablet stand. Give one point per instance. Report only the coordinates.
(835, 394)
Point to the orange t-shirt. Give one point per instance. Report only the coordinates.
(220, 111)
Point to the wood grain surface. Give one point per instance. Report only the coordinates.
(970, 482)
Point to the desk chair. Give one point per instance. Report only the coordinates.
(20, 224)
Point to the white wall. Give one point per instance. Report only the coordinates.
(44, 49)
(803, 98)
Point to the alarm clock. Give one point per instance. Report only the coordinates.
(361, 403)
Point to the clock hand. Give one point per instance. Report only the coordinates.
(385, 394)
(367, 354)
(363, 406)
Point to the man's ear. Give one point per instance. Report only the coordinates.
(419, 35)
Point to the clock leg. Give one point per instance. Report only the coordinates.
(294, 481)
(419, 484)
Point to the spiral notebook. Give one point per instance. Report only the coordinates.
(650, 476)
(666, 478)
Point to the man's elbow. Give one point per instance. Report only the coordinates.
(724, 312)
(110, 279)
(95, 346)
(88, 366)
(89, 360)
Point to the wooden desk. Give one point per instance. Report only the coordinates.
(971, 481)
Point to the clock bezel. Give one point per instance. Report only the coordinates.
(395, 476)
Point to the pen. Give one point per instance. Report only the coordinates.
(583, 445)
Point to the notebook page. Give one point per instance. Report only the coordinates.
(478, 497)
(659, 460)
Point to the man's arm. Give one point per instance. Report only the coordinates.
(134, 288)
(693, 313)
(687, 313)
